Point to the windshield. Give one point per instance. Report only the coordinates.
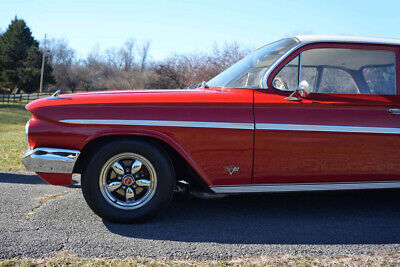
(248, 72)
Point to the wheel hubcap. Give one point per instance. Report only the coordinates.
(128, 181)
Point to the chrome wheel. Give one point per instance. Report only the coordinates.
(128, 181)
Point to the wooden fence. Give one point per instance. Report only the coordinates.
(15, 98)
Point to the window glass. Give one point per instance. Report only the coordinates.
(380, 79)
(349, 71)
(287, 78)
(249, 71)
(336, 81)
(310, 75)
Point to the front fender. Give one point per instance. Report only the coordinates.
(152, 134)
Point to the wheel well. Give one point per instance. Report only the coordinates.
(182, 168)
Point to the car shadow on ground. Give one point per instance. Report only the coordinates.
(20, 178)
(347, 217)
(24, 178)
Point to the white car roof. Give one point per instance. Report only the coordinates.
(346, 39)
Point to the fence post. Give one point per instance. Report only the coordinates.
(28, 98)
(8, 98)
(20, 97)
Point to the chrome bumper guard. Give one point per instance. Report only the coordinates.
(50, 160)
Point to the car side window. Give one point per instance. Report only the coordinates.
(287, 78)
(380, 79)
(336, 81)
(349, 71)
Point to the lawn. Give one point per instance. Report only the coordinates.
(13, 118)
(375, 259)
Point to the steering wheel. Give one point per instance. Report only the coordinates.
(279, 83)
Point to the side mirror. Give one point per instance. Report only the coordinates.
(303, 91)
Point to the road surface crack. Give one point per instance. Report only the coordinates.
(43, 199)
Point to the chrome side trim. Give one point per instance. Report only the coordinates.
(326, 128)
(196, 124)
(243, 126)
(264, 188)
(52, 160)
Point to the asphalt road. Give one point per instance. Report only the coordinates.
(323, 223)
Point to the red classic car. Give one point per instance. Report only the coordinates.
(300, 114)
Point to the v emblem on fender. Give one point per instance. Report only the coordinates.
(232, 169)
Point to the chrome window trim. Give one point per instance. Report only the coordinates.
(299, 70)
(326, 128)
(303, 43)
(192, 124)
(299, 187)
(277, 62)
(349, 38)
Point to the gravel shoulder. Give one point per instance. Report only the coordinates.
(38, 220)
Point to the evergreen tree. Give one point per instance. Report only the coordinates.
(21, 59)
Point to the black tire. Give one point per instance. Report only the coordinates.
(162, 194)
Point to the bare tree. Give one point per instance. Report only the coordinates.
(128, 67)
(59, 52)
(113, 58)
(166, 76)
(144, 53)
(128, 55)
(195, 68)
(61, 57)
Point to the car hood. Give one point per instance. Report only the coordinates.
(120, 96)
(58, 107)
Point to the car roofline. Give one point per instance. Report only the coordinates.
(345, 39)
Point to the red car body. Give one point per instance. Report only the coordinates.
(238, 137)
(207, 150)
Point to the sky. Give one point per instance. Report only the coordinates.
(194, 26)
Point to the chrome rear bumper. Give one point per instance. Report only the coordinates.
(50, 160)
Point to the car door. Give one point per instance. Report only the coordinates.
(347, 129)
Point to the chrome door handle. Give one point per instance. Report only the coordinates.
(394, 111)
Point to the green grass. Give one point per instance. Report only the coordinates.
(13, 118)
(64, 259)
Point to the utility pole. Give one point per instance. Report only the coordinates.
(43, 59)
